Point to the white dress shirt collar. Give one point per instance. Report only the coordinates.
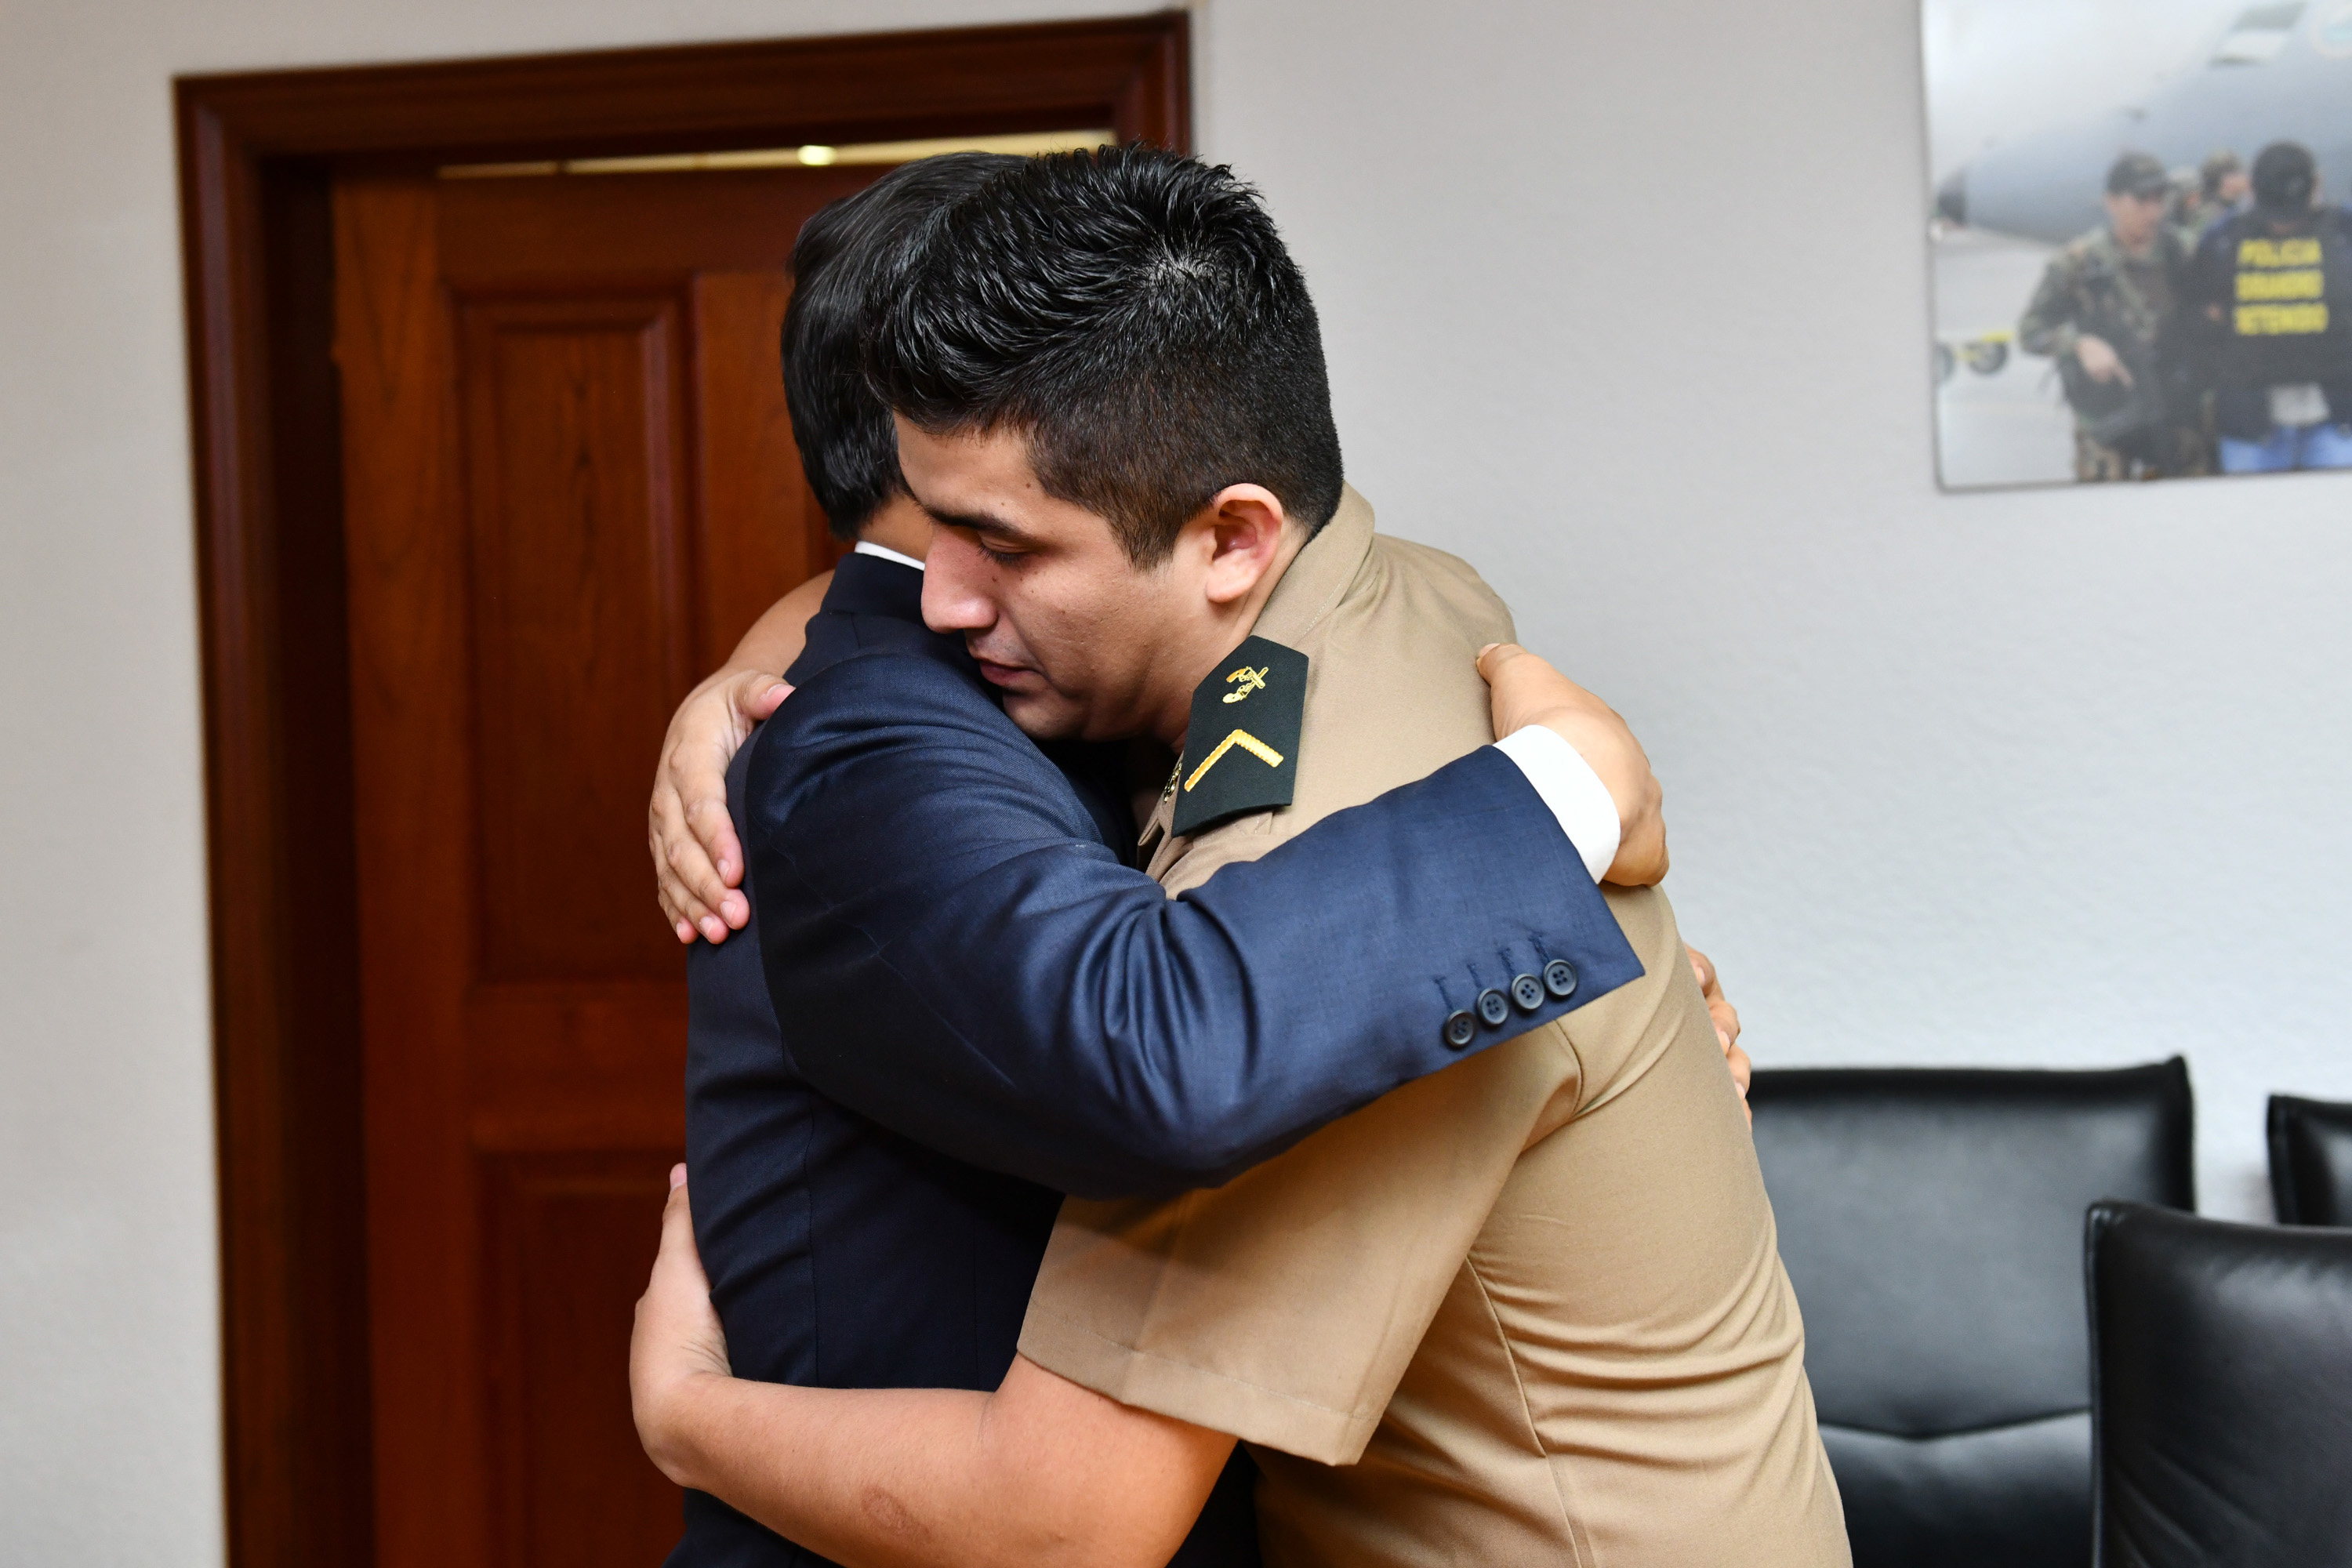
(887, 553)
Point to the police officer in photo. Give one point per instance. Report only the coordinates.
(2274, 286)
(2108, 311)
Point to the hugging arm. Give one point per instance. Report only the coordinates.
(1039, 1473)
(985, 978)
(698, 863)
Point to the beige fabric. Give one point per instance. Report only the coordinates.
(1530, 1308)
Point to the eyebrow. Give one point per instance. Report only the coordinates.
(981, 523)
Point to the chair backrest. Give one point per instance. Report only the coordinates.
(2222, 1391)
(2311, 1161)
(1931, 1221)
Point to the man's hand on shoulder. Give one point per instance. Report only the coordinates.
(1529, 691)
(697, 860)
(698, 864)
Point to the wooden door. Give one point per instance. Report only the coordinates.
(568, 486)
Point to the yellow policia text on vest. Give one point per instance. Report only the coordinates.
(2281, 289)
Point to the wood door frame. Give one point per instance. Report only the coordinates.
(257, 153)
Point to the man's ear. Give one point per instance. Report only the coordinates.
(1240, 527)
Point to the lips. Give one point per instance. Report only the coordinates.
(1003, 674)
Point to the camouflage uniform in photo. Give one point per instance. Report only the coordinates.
(2152, 428)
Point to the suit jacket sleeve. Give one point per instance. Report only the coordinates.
(952, 952)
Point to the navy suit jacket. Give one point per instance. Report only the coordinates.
(989, 1006)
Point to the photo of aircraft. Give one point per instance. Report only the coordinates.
(2004, 203)
(2275, 72)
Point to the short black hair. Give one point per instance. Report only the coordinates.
(1136, 315)
(2285, 177)
(848, 449)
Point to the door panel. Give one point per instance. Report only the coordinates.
(566, 1260)
(575, 416)
(570, 486)
(751, 474)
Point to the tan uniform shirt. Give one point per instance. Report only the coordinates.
(1528, 1310)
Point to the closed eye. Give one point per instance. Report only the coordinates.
(992, 536)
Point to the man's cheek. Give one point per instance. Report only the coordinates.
(1044, 715)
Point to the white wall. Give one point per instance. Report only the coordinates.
(1625, 304)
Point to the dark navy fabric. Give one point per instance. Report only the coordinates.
(985, 1006)
(2246, 368)
(1000, 986)
(927, 1262)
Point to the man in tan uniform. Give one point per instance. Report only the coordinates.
(1530, 1308)
(1527, 1310)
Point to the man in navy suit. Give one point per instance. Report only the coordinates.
(986, 1005)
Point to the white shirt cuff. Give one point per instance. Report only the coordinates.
(1573, 791)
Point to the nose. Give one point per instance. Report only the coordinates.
(954, 575)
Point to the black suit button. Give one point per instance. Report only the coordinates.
(1461, 1028)
(1493, 1005)
(1528, 992)
(1560, 978)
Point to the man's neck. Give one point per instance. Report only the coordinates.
(1234, 628)
(899, 527)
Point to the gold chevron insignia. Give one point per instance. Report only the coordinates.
(1247, 742)
(1251, 679)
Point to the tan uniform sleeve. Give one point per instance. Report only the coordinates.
(1284, 1307)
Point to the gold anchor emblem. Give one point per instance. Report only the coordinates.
(1251, 679)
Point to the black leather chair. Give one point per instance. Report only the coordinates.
(2222, 1391)
(1932, 1223)
(2311, 1161)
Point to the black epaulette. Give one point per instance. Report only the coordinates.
(1241, 752)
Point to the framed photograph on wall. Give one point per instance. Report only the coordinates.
(2141, 254)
